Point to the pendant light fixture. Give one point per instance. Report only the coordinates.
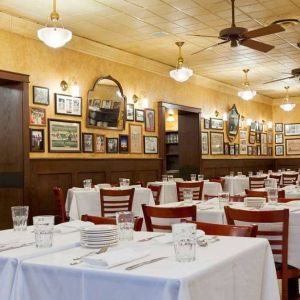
(181, 73)
(286, 105)
(247, 93)
(56, 35)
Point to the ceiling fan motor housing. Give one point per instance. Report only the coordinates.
(233, 33)
(296, 72)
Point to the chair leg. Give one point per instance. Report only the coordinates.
(293, 288)
(284, 289)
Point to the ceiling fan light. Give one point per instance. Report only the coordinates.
(287, 106)
(54, 37)
(247, 94)
(182, 74)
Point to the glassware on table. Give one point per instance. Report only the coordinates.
(240, 174)
(19, 217)
(43, 230)
(279, 171)
(272, 196)
(250, 173)
(223, 199)
(125, 222)
(231, 173)
(268, 183)
(188, 196)
(87, 184)
(270, 172)
(164, 178)
(261, 172)
(200, 177)
(126, 182)
(170, 177)
(184, 239)
(193, 177)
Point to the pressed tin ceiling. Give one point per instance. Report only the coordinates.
(150, 28)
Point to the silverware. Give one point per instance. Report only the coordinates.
(147, 262)
(150, 238)
(203, 242)
(16, 246)
(78, 260)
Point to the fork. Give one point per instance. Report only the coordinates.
(150, 238)
(78, 260)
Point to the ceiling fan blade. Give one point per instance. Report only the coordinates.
(210, 47)
(259, 46)
(271, 29)
(280, 79)
(201, 35)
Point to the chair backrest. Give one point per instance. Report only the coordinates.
(276, 177)
(236, 198)
(257, 182)
(221, 181)
(196, 187)
(285, 200)
(113, 201)
(227, 230)
(167, 213)
(289, 179)
(249, 193)
(207, 197)
(155, 189)
(140, 182)
(60, 205)
(138, 222)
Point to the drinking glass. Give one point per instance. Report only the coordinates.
(126, 182)
(19, 216)
(231, 173)
(165, 178)
(270, 172)
(268, 183)
(122, 182)
(261, 172)
(200, 177)
(43, 229)
(125, 222)
(272, 196)
(87, 184)
(239, 174)
(223, 199)
(193, 177)
(188, 196)
(170, 177)
(279, 171)
(250, 173)
(184, 238)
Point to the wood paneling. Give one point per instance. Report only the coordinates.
(287, 163)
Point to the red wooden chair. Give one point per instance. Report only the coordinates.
(207, 197)
(277, 178)
(257, 182)
(221, 181)
(278, 240)
(196, 187)
(59, 198)
(141, 182)
(249, 193)
(167, 213)
(285, 200)
(113, 201)
(236, 198)
(155, 189)
(289, 179)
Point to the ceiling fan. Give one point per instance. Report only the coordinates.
(295, 73)
(241, 36)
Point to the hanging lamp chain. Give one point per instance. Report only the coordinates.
(246, 82)
(54, 16)
(180, 58)
(287, 93)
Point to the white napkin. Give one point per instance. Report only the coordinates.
(15, 242)
(72, 226)
(293, 203)
(168, 238)
(116, 257)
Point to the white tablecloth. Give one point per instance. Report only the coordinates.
(236, 185)
(231, 269)
(169, 193)
(80, 202)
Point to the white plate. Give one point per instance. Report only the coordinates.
(98, 240)
(87, 245)
(100, 227)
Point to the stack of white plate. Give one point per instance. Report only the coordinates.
(99, 236)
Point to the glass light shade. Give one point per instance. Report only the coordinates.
(248, 122)
(54, 37)
(181, 74)
(247, 94)
(287, 106)
(170, 118)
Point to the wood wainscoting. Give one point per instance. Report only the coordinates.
(287, 163)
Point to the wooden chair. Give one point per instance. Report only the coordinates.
(207, 197)
(138, 222)
(285, 200)
(59, 198)
(113, 201)
(155, 189)
(236, 198)
(221, 181)
(257, 182)
(167, 213)
(141, 182)
(197, 188)
(249, 193)
(289, 179)
(279, 238)
(276, 177)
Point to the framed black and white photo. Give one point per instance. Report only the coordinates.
(226, 148)
(123, 143)
(112, 145)
(204, 137)
(236, 149)
(292, 129)
(264, 149)
(68, 105)
(139, 115)
(278, 138)
(216, 123)
(279, 150)
(136, 138)
(263, 138)
(206, 124)
(254, 150)
(107, 104)
(270, 151)
(243, 134)
(40, 95)
(258, 150)
(216, 143)
(87, 142)
(149, 120)
(278, 127)
(260, 127)
(249, 150)
(243, 149)
(292, 146)
(130, 112)
(231, 149)
(252, 137)
(253, 126)
(99, 143)
(257, 138)
(150, 144)
(270, 137)
(37, 143)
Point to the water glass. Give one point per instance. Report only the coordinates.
(270, 172)
(261, 172)
(19, 217)
(43, 230)
(250, 173)
(240, 174)
(184, 238)
(200, 177)
(126, 182)
(188, 196)
(170, 177)
(87, 184)
(272, 196)
(223, 199)
(193, 177)
(165, 178)
(268, 183)
(231, 173)
(125, 222)
(279, 171)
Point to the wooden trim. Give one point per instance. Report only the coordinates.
(13, 76)
(179, 107)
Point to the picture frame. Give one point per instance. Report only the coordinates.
(243, 134)
(37, 116)
(254, 150)
(135, 140)
(216, 143)
(243, 142)
(257, 137)
(206, 124)
(40, 95)
(270, 151)
(107, 104)
(243, 149)
(123, 143)
(205, 145)
(129, 112)
(149, 120)
(139, 115)
(260, 127)
(216, 123)
(258, 147)
(263, 138)
(278, 127)
(68, 105)
(278, 138)
(226, 148)
(233, 123)
(150, 144)
(264, 149)
(236, 149)
(64, 136)
(37, 141)
(231, 149)
(112, 145)
(99, 143)
(270, 137)
(87, 142)
(292, 129)
(279, 150)
(249, 150)
(253, 126)
(292, 146)
(252, 137)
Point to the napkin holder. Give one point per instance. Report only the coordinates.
(255, 202)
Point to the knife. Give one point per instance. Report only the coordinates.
(147, 262)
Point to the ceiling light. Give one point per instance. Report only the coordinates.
(247, 93)
(181, 73)
(286, 105)
(56, 35)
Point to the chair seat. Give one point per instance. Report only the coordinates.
(293, 272)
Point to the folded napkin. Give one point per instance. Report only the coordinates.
(11, 243)
(72, 226)
(168, 238)
(116, 257)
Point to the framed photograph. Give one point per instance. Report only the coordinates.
(130, 112)
(150, 144)
(216, 124)
(68, 105)
(270, 137)
(278, 127)
(107, 104)
(264, 149)
(253, 127)
(149, 120)
(216, 143)
(112, 145)
(243, 149)
(249, 150)
(99, 143)
(236, 149)
(254, 150)
(243, 142)
(279, 150)
(292, 147)
(270, 151)
(243, 134)
(292, 129)
(226, 148)
(278, 138)
(96, 103)
(252, 137)
(37, 143)
(40, 95)
(233, 123)
(64, 136)
(139, 115)
(258, 150)
(136, 143)
(257, 138)
(87, 142)
(204, 137)
(206, 124)
(231, 149)
(37, 116)
(123, 143)
(260, 127)
(263, 138)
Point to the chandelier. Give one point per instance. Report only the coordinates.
(247, 93)
(56, 35)
(181, 73)
(286, 105)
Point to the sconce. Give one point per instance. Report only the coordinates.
(217, 113)
(75, 89)
(270, 125)
(142, 101)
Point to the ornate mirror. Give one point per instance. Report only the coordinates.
(233, 123)
(106, 104)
